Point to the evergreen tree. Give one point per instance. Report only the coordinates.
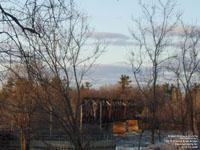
(124, 83)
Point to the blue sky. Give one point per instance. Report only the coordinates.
(115, 15)
(111, 20)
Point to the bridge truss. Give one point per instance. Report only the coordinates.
(102, 110)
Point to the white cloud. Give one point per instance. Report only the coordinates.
(115, 39)
(109, 35)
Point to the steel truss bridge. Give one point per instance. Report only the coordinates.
(102, 110)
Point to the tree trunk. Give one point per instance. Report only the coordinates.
(196, 131)
(139, 139)
(23, 140)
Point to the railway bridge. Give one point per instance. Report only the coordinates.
(102, 110)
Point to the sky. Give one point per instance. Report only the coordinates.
(111, 20)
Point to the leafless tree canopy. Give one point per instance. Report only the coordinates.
(47, 39)
(185, 70)
(151, 32)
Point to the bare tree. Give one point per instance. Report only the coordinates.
(48, 38)
(177, 104)
(151, 32)
(186, 66)
(19, 106)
